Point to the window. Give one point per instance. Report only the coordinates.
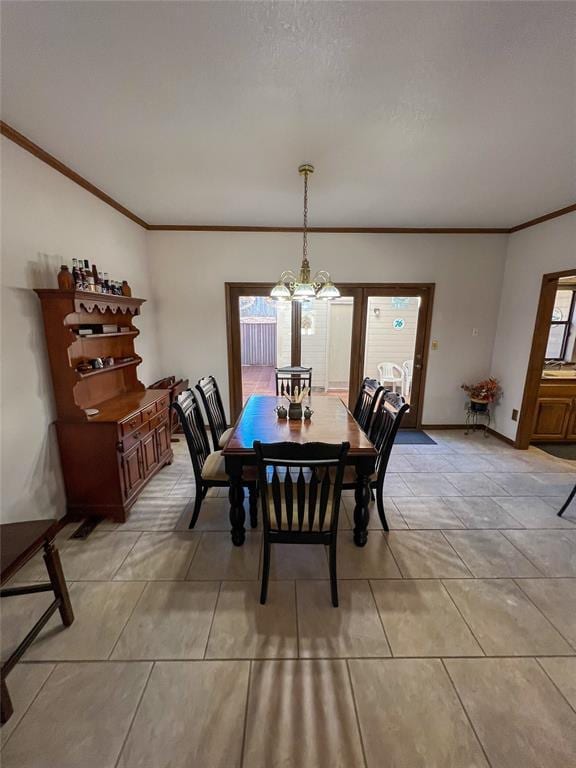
(560, 325)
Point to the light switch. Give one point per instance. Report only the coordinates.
(434, 344)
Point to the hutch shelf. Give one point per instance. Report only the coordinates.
(113, 433)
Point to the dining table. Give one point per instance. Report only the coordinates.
(331, 422)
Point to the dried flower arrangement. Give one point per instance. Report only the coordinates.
(485, 391)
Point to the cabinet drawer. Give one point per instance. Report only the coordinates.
(148, 412)
(130, 424)
(130, 440)
(158, 419)
(161, 405)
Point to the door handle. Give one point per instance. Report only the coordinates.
(417, 365)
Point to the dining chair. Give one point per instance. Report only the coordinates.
(292, 376)
(300, 488)
(211, 400)
(408, 371)
(567, 502)
(390, 373)
(367, 401)
(383, 430)
(209, 467)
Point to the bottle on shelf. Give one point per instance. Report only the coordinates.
(101, 282)
(76, 275)
(83, 281)
(91, 285)
(126, 290)
(97, 286)
(65, 279)
(106, 283)
(86, 276)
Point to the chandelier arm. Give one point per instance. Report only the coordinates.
(288, 276)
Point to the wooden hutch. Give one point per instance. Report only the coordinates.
(108, 457)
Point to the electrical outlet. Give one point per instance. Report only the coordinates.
(514, 414)
(434, 344)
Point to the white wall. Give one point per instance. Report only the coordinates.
(189, 270)
(46, 221)
(531, 253)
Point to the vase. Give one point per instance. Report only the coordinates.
(295, 411)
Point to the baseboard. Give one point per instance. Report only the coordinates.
(504, 439)
(490, 431)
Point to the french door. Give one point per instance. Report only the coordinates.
(375, 330)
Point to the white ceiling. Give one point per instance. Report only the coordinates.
(415, 114)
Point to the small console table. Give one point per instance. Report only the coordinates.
(19, 542)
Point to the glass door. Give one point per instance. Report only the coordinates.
(326, 330)
(395, 329)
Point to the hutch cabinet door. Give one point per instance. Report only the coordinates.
(132, 469)
(552, 416)
(163, 438)
(149, 453)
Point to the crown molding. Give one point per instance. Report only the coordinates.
(22, 141)
(546, 217)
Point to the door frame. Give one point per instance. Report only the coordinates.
(360, 293)
(537, 355)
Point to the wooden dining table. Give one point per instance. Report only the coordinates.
(331, 422)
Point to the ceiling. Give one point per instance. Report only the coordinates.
(415, 114)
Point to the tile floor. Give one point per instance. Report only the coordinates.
(454, 645)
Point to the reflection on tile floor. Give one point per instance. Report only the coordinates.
(454, 644)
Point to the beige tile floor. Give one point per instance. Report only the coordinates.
(454, 645)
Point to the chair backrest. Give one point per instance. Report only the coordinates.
(300, 487)
(389, 372)
(192, 422)
(385, 425)
(408, 368)
(292, 376)
(366, 402)
(212, 402)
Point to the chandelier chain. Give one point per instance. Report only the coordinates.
(305, 233)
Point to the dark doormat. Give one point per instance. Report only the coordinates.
(560, 450)
(413, 437)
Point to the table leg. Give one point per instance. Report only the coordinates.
(361, 510)
(54, 568)
(236, 496)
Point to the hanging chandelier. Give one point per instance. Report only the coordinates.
(301, 287)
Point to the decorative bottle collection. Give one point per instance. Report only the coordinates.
(82, 278)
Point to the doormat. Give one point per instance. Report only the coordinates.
(413, 437)
(560, 450)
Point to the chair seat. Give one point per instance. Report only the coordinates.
(225, 436)
(214, 470)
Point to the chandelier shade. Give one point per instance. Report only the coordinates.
(301, 286)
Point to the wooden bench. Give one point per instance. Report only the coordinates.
(18, 543)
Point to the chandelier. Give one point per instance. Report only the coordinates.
(300, 287)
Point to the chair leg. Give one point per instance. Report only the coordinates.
(333, 577)
(200, 494)
(567, 502)
(380, 505)
(253, 505)
(265, 572)
(54, 568)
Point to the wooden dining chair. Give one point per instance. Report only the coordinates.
(292, 376)
(367, 401)
(300, 488)
(209, 467)
(383, 430)
(212, 402)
